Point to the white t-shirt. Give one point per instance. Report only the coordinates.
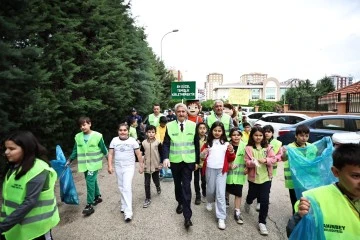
(124, 151)
(216, 154)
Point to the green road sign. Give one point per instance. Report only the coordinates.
(183, 90)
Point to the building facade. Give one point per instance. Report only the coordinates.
(269, 89)
(341, 81)
(177, 75)
(213, 80)
(252, 78)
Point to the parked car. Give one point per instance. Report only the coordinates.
(280, 120)
(322, 126)
(254, 116)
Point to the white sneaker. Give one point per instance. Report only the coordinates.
(221, 224)
(258, 207)
(247, 207)
(209, 206)
(263, 230)
(203, 199)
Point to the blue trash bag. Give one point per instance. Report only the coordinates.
(311, 226)
(311, 166)
(68, 193)
(167, 174)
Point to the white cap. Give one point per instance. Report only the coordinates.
(343, 138)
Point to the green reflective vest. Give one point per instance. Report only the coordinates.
(154, 120)
(43, 217)
(310, 154)
(225, 119)
(89, 154)
(276, 144)
(182, 148)
(341, 220)
(237, 175)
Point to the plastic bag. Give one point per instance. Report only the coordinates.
(167, 174)
(311, 226)
(68, 193)
(311, 166)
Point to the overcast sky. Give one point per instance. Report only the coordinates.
(284, 38)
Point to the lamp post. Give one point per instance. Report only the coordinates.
(175, 30)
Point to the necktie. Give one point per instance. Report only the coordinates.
(181, 127)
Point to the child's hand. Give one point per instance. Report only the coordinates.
(303, 207)
(160, 166)
(204, 153)
(141, 168)
(110, 169)
(230, 148)
(233, 166)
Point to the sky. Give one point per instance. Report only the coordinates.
(285, 39)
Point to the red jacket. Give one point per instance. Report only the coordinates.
(229, 157)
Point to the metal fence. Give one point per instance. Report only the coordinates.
(353, 102)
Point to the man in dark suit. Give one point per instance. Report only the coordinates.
(181, 150)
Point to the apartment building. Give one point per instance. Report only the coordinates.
(213, 80)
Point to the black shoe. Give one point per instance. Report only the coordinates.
(188, 224)
(88, 210)
(97, 200)
(198, 200)
(158, 189)
(179, 209)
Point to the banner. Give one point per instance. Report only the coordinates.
(239, 96)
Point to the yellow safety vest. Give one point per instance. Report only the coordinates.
(43, 217)
(182, 148)
(154, 120)
(237, 175)
(341, 220)
(225, 119)
(89, 154)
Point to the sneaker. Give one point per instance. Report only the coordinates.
(227, 202)
(247, 207)
(209, 206)
(238, 218)
(158, 189)
(97, 200)
(262, 229)
(203, 199)
(88, 210)
(258, 207)
(147, 203)
(221, 224)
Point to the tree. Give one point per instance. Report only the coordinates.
(324, 86)
(60, 60)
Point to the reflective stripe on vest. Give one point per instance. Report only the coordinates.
(341, 220)
(237, 175)
(225, 119)
(43, 216)
(89, 154)
(182, 146)
(276, 146)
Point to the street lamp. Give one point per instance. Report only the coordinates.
(175, 30)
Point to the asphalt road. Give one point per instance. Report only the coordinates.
(160, 220)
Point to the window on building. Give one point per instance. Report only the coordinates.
(270, 93)
(255, 94)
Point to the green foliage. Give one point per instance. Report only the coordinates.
(60, 60)
(207, 105)
(324, 86)
(265, 106)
